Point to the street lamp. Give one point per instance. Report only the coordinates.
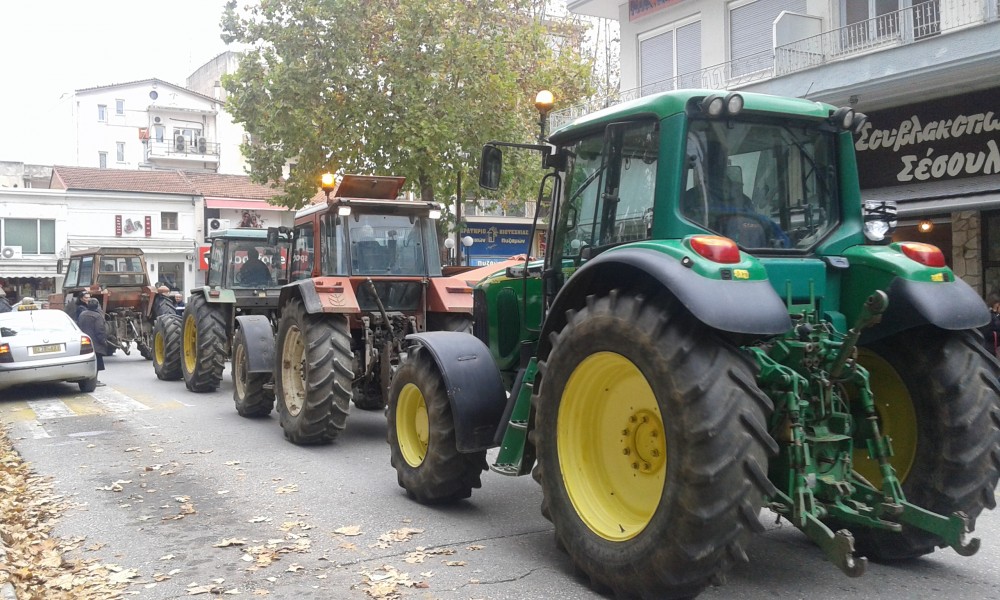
(543, 102)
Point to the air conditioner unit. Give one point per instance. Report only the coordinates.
(10, 252)
(180, 143)
(202, 145)
(218, 224)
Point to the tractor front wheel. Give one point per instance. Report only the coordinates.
(936, 394)
(167, 347)
(204, 345)
(421, 436)
(652, 446)
(313, 386)
(250, 395)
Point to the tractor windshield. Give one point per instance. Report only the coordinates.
(766, 185)
(385, 244)
(255, 264)
(121, 271)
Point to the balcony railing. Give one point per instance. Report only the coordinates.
(917, 22)
(182, 149)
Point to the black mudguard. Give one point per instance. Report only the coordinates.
(743, 307)
(951, 305)
(258, 338)
(473, 384)
(306, 290)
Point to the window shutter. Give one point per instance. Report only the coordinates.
(751, 32)
(689, 55)
(656, 63)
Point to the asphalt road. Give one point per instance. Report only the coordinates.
(193, 497)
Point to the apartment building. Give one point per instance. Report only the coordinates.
(923, 71)
(148, 125)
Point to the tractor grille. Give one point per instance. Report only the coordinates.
(395, 295)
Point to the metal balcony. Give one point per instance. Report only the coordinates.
(181, 150)
(909, 25)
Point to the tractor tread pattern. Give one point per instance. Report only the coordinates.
(168, 328)
(717, 444)
(327, 373)
(445, 475)
(258, 400)
(210, 354)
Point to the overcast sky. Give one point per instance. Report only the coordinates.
(52, 47)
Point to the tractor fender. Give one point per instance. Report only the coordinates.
(216, 295)
(951, 305)
(258, 339)
(742, 307)
(322, 295)
(472, 382)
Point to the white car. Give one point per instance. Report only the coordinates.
(40, 345)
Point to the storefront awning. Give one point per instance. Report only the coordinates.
(241, 204)
(937, 197)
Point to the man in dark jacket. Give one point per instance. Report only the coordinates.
(4, 304)
(92, 323)
(81, 304)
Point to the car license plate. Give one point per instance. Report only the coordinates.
(47, 349)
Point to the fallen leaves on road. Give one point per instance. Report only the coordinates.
(384, 583)
(37, 564)
(348, 530)
(396, 535)
(421, 553)
(287, 489)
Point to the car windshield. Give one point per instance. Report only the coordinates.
(767, 185)
(34, 321)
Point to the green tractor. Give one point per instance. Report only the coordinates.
(244, 271)
(719, 324)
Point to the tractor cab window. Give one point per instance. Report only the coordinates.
(387, 244)
(121, 270)
(302, 253)
(332, 246)
(610, 191)
(72, 273)
(86, 271)
(255, 265)
(768, 186)
(216, 262)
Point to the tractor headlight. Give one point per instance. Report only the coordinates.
(880, 220)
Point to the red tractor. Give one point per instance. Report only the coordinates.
(365, 272)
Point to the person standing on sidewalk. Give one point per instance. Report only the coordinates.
(92, 323)
(4, 304)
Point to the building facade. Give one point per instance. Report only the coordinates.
(148, 125)
(923, 71)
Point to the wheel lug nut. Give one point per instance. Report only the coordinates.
(655, 453)
(635, 466)
(626, 451)
(645, 466)
(624, 431)
(633, 419)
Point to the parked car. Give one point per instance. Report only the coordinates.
(39, 345)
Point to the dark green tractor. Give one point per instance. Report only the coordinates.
(718, 325)
(243, 279)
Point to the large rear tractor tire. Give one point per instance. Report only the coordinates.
(449, 322)
(204, 345)
(652, 446)
(250, 394)
(167, 347)
(938, 400)
(421, 436)
(162, 306)
(313, 386)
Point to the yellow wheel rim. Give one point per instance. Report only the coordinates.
(611, 444)
(240, 371)
(412, 427)
(159, 356)
(897, 419)
(293, 385)
(190, 343)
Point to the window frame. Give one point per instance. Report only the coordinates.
(102, 113)
(120, 107)
(102, 160)
(120, 151)
(672, 29)
(168, 221)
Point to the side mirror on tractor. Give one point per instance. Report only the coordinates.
(490, 167)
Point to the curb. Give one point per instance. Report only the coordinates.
(7, 589)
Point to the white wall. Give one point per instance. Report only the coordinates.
(174, 106)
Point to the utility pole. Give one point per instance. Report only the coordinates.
(458, 220)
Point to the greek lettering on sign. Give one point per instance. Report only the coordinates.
(911, 131)
(930, 166)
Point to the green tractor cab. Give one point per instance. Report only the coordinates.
(718, 325)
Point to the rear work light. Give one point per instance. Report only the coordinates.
(5, 355)
(925, 254)
(86, 346)
(716, 248)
